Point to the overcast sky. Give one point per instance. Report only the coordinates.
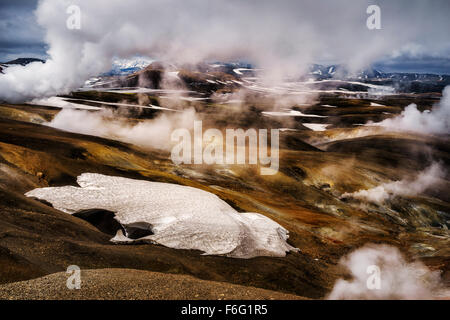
(20, 35)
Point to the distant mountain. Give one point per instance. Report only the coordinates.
(123, 67)
(403, 82)
(19, 61)
(23, 61)
(321, 72)
(200, 78)
(209, 77)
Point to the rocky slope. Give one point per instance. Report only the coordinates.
(316, 169)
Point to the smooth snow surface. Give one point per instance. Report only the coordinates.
(316, 126)
(181, 217)
(291, 113)
(239, 70)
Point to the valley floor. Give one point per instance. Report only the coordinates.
(305, 197)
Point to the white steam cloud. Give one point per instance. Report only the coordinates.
(282, 37)
(406, 188)
(153, 133)
(436, 121)
(381, 272)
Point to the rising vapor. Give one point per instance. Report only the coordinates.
(283, 37)
(436, 121)
(404, 188)
(153, 133)
(399, 279)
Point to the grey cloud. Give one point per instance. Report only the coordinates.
(19, 31)
(426, 64)
(281, 36)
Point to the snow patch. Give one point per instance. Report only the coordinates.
(181, 217)
(328, 106)
(62, 103)
(239, 70)
(316, 126)
(291, 113)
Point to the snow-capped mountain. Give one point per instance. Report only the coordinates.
(128, 66)
(322, 71)
(337, 71)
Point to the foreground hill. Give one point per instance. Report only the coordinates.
(130, 284)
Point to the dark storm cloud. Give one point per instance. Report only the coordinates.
(20, 36)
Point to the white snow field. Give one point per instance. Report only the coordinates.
(181, 217)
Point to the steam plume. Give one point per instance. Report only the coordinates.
(153, 133)
(436, 121)
(399, 279)
(407, 187)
